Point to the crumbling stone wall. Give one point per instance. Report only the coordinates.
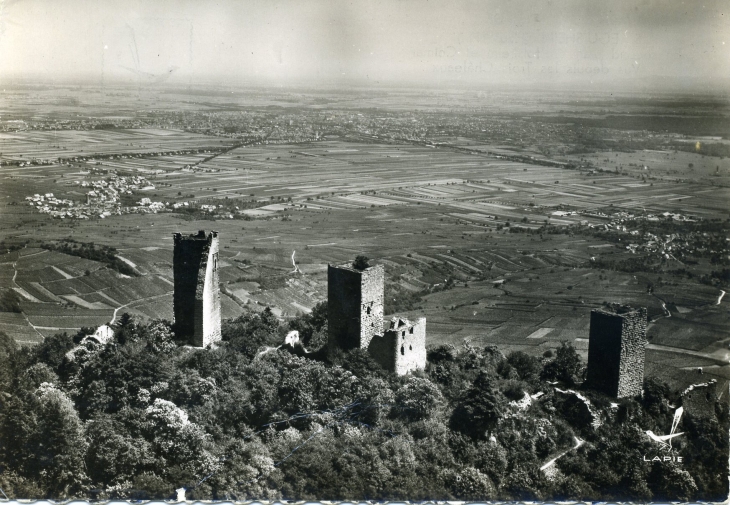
(699, 399)
(616, 351)
(355, 320)
(196, 299)
(354, 306)
(402, 348)
(589, 412)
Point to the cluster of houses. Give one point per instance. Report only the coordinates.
(102, 199)
(668, 245)
(56, 207)
(147, 206)
(665, 246)
(119, 184)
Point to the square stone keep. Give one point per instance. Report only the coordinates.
(354, 306)
(616, 351)
(196, 299)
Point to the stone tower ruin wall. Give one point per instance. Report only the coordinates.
(633, 354)
(616, 351)
(354, 306)
(343, 308)
(196, 299)
(402, 348)
(371, 304)
(207, 297)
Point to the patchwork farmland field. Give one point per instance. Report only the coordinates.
(363, 253)
(55, 144)
(441, 220)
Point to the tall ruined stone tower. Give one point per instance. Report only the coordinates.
(354, 306)
(197, 300)
(616, 351)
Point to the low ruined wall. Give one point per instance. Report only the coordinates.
(382, 349)
(699, 399)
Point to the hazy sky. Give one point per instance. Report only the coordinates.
(612, 43)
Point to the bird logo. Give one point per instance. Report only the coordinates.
(665, 441)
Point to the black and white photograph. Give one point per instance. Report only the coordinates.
(296, 251)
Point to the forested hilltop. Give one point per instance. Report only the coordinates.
(139, 416)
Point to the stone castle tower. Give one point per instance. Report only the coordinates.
(616, 350)
(354, 306)
(355, 320)
(197, 301)
(402, 348)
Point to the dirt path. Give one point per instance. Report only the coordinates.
(578, 443)
(127, 261)
(66, 275)
(720, 355)
(114, 316)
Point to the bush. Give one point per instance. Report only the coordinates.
(418, 399)
(480, 408)
(250, 332)
(566, 366)
(528, 367)
(444, 352)
(309, 324)
(140, 417)
(514, 390)
(10, 302)
(361, 262)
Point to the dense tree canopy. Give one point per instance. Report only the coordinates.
(139, 417)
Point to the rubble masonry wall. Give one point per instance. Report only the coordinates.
(699, 399)
(616, 352)
(410, 351)
(402, 348)
(371, 304)
(633, 354)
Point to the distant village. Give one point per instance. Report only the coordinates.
(631, 232)
(103, 199)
